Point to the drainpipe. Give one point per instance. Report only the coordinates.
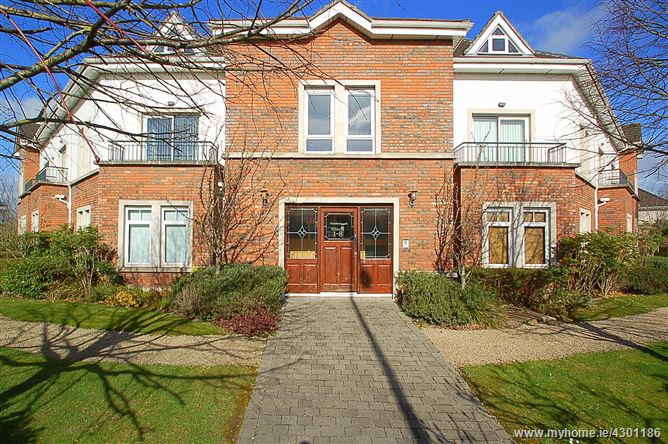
(596, 206)
(599, 203)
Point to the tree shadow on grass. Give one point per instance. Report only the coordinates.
(39, 384)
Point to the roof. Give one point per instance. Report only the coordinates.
(633, 132)
(26, 136)
(465, 44)
(650, 200)
(385, 28)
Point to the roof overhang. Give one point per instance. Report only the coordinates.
(518, 65)
(371, 27)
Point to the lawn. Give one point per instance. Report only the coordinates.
(621, 306)
(588, 391)
(103, 317)
(46, 400)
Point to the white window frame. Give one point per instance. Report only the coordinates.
(629, 223)
(586, 214)
(499, 118)
(34, 221)
(506, 46)
(490, 224)
(23, 224)
(157, 263)
(516, 241)
(340, 91)
(81, 211)
(320, 91)
(546, 242)
(126, 233)
(372, 137)
(173, 223)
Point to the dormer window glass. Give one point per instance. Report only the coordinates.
(498, 43)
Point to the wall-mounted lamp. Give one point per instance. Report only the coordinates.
(265, 198)
(171, 103)
(502, 104)
(412, 197)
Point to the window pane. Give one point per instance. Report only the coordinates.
(175, 215)
(539, 217)
(139, 244)
(338, 226)
(302, 233)
(498, 216)
(175, 244)
(159, 131)
(319, 114)
(534, 245)
(498, 245)
(499, 45)
(512, 48)
(302, 247)
(363, 146)
(512, 130)
(498, 31)
(376, 233)
(319, 145)
(139, 214)
(484, 129)
(186, 135)
(484, 47)
(359, 114)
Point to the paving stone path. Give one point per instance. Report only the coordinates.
(357, 370)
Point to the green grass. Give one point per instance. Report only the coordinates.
(588, 391)
(103, 317)
(621, 306)
(46, 400)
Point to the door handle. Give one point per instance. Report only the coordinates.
(355, 239)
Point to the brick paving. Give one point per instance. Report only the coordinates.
(358, 370)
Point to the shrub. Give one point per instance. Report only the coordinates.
(648, 276)
(212, 293)
(124, 297)
(257, 322)
(597, 262)
(31, 276)
(437, 299)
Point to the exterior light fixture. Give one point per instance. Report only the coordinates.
(412, 197)
(171, 103)
(502, 104)
(265, 198)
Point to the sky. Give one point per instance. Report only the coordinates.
(562, 26)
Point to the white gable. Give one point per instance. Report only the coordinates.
(174, 28)
(499, 37)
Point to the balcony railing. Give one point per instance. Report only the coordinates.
(511, 152)
(49, 174)
(162, 151)
(609, 178)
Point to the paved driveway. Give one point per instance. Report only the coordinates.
(357, 370)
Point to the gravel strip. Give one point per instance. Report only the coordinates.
(73, 343)
(541, 342)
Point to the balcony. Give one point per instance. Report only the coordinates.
(160, 151)
(514, 153)
(612, 178)
(48, 174)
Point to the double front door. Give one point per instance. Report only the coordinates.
(339, 249)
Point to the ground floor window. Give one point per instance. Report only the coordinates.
(302, 233)
(34, 227)
(157, 234)
(585, 221)
(83, 217)
(518, 234)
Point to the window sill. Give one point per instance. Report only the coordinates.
(151, 269)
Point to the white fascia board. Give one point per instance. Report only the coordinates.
(522, 67)
(383, 28)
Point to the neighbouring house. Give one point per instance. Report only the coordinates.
(651, 208)
(347, 164)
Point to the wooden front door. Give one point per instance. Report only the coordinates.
(338, 249)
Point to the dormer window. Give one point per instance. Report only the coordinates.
(498, 43)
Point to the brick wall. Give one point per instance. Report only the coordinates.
(416, 90)
(86, 192)
(147, 182)
(52, 213)
(364, 178)
(547, 184)
(612, 215)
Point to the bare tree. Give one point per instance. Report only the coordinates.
(630, 47)
(79, 42)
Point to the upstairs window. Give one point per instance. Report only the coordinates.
(172, 137)
(319, 120)
(341, 119)
(498, 43)
(501, 138)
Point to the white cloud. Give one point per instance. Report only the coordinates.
(564, 31)
(27, 107)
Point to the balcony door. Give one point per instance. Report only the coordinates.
(501, 139)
